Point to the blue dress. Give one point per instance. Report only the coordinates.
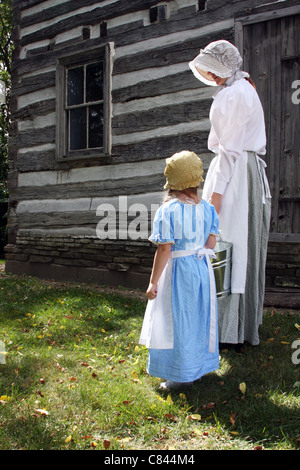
(186, 226)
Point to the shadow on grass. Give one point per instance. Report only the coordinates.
(268, 412)
(39, 316)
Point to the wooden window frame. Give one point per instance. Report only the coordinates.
(82, 59)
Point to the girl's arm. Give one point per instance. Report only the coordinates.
(210, 242)
(161, 257)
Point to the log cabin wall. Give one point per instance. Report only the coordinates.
(153, 107)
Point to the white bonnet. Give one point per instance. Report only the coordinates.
(220, 58)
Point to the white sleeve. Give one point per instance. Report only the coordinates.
(228, 118)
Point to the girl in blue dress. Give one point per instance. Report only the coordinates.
(180, 322)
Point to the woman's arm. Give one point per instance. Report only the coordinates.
(216, 200)
(161, 257)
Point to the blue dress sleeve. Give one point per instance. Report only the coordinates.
(214, 229)
(163, 226)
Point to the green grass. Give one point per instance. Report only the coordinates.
(75, 378)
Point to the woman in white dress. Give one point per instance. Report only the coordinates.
(236, 184)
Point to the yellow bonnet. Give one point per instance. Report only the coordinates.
(183, 170)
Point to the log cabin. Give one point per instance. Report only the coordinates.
(102, 94)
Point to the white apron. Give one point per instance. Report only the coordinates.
(157, 328)
(234, 214)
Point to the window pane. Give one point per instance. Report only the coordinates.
(96, 126)
(75, 86)
(77, 128)
(94, 82)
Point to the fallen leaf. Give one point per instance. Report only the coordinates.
(195, 417)
(242, 388)
(170, 417)
(135, 377)
(42, 412)
(149, 418)
(297, 326)
(69, 439)
(211, 405)
(106, 444)
(233, 417)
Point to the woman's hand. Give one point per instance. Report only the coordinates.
(151, 292)
(216, 200)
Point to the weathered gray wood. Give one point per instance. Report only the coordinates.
(134, 127)
(275, 90)
(159, 117)
(92, 189)
(161, 147)
(87, 218)
(42, 136)
(160, 86)
(34, 83)
(196, 19)
(92, 17)
(168, 55)
(115, 9)
(36, 161)
(36, 109)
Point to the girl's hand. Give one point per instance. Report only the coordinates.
(151, 292)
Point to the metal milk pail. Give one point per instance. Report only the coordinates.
(222, 268)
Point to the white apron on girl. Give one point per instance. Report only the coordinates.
(157, 328)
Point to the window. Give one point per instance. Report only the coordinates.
(83, 105)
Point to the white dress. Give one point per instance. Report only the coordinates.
(237, 137)
(237, 127)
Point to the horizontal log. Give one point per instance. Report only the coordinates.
(162, 55)
(161, 147)
(110, 9)
(34, 83)
(33, 137)
(120, 204)
(88, 218)
(217, 9)
(169, 84)
(160, 117)
(92, 189)
(36, 161)
(39, 108)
